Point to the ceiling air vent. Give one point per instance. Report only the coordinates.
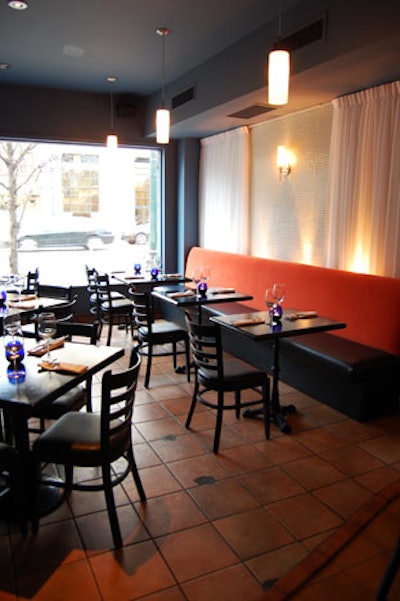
(308, 34)
(182, 98)
(252, 111)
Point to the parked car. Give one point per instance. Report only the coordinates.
(65, 233)
(139, 236)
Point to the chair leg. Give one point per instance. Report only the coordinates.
(89, 406)
(135, 474)
(111, 509)
(266, 409)
(237, 404)
(390, 573)
(193, 404)
(148, 368)
(110, 327)
(174, 353)
(218, 425)
(187, 354)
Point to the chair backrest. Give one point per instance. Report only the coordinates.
(102, 288)
(206, 347)
(50, 291)
(117, 400)
(75, 330)
(32, 282)
(142, 310)
(63, 312)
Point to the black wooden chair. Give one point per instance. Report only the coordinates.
(80, 396)
(97, 440)
(111, 310)
(32, 282)
(215, 372)
(52, 291)
(63, 312)
(153, 334)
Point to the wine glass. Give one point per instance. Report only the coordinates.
(205, 273)
(270, 302)
(279, 292)
(18, 283)
(47, 328)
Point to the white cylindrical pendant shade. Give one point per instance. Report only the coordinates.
(112, 141)
(278, 77)
(162, 126)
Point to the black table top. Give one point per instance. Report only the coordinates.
(286, 328)
(196, 300)
(42, 387)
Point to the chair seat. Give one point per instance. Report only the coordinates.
(73, 400)
(235, 373)
(75, 437)
(161, 329)
(117, 304)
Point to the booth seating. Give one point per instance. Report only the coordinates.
(356, 369)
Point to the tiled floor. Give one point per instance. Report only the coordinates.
(260, 520)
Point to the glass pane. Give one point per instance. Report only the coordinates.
(66, 206)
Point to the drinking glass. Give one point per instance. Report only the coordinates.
(205, 273)
(47, 328)
(270, 302)
(279, 292)
(18, 283)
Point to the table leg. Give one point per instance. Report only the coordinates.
(277, 411)
(49, 497)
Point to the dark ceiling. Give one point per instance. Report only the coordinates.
(76, 44)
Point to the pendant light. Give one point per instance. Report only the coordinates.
(112, 138)
(162, 114)
(278, 70)
(18, 4)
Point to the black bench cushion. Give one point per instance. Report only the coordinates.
(333, 352)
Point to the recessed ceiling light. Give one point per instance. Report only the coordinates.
(18, 4)
(111, 78)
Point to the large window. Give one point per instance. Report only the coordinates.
(66, 206)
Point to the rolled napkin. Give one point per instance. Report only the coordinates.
(302, 315)
(62, 367)
(23, 304)
(222, 290)
(28, 297)
(251, 321)
(172, 276)
(41, 349)
(180, 294)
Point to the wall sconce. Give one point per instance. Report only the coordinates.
(284, 160)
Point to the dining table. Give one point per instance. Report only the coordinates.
(25, 305)
(185, 298)
(255, 326)
(26, 386)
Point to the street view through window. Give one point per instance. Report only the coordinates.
(65, 206)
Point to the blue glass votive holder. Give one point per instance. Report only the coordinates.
(202, 289)
(138, 268)
(15, 351)
(3, 298)
(16, 373)
(154, 273)
(277, 309)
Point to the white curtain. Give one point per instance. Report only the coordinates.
(364, 182)
(224, 191)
